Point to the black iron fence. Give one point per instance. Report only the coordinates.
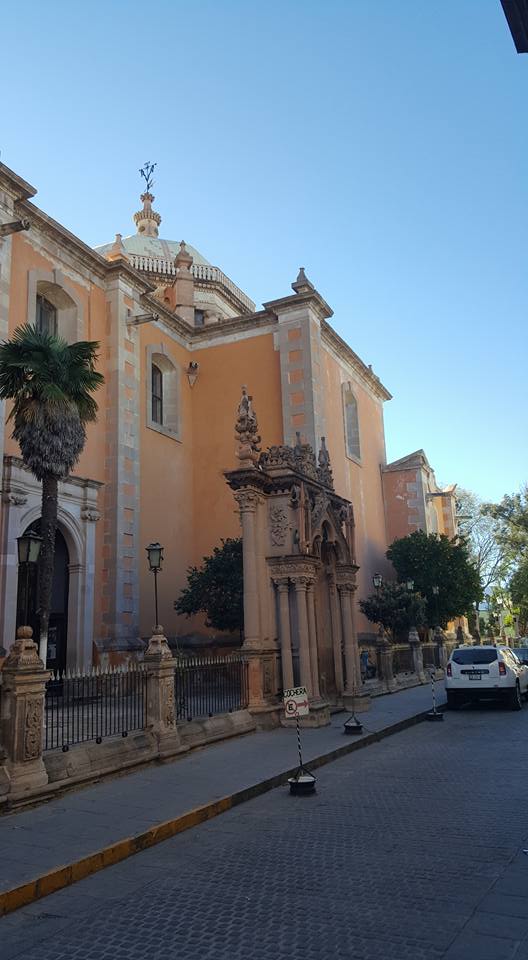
(402, 660)
(207, 686)
(95, 705)
(431, 655)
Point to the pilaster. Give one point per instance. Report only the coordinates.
(120, 601)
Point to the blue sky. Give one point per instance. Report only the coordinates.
(382, 144)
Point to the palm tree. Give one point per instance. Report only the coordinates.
(51, 383)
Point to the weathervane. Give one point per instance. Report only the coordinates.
(146, 172)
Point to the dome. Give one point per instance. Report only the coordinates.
(140, 245)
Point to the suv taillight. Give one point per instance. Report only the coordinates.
(502, 668)
(449, 671)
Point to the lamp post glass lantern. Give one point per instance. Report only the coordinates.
(377, 580)
(28, 546)
(410, 585)
(155, 559)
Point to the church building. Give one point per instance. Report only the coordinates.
(186, 357)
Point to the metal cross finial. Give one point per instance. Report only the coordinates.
(146, 172)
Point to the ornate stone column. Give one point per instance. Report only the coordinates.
(417, 654)
(335, 617)
(312, 629)
(301, 585)
(161, 710)
(247, 500)
(282, 585)
(352, 668)
(22, 720)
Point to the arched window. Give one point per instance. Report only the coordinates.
(46, 316)
(351, 418)
(53, 305)
(163, 392)
(157, 395)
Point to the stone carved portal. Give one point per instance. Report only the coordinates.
(299, 572)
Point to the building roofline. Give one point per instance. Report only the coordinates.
(417, 458)
(342, 348)
(516, 13)
(19, 187)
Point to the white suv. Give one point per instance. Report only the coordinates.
(484, 672)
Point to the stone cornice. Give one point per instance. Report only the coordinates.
(312, 297)
(87, 257)
(232, 326)
(346, 353)
(15, 185)
(18, 463)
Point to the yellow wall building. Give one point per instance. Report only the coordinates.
(177, 340)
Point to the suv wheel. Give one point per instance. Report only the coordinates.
(515, 699)
(452, 700)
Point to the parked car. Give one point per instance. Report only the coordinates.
(485, 672)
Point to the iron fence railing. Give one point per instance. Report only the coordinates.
(431, 655)
(402, 661)
(94, 705)
(207, 686)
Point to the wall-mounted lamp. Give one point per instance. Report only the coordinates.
(192, 372)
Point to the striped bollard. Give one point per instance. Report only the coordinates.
(434, 714)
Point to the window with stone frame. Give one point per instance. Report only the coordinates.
(351, 423)
(45, 316)
(163, 392)
(157, 395)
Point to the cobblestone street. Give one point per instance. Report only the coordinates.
(411, 850)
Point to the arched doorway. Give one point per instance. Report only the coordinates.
(58, 623)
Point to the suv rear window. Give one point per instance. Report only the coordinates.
(474, 655)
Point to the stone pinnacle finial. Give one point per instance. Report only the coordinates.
(302, 284)
(246, 431)
(324, 469)
(117, 250)
(183, 257)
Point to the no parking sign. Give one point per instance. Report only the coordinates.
(296, 702)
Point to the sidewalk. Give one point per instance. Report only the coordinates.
(123, 814)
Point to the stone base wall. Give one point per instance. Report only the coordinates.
(91, 761)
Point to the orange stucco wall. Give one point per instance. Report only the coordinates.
(185, 502)
(358, 482)
(92, 299)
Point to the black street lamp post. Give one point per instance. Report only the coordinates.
(155, 559)
(436, 591)
(28, 553)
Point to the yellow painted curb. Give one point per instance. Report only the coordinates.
(60, 877)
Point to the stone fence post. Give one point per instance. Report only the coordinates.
(385, 659)
(417, 654)
(22, 695)
(161, 706)
(440, 640)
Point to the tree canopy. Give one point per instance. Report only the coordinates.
(217, 589)
(436, 561)
(395, 607)
(511, 515)
(51, 384)
(481, 531)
